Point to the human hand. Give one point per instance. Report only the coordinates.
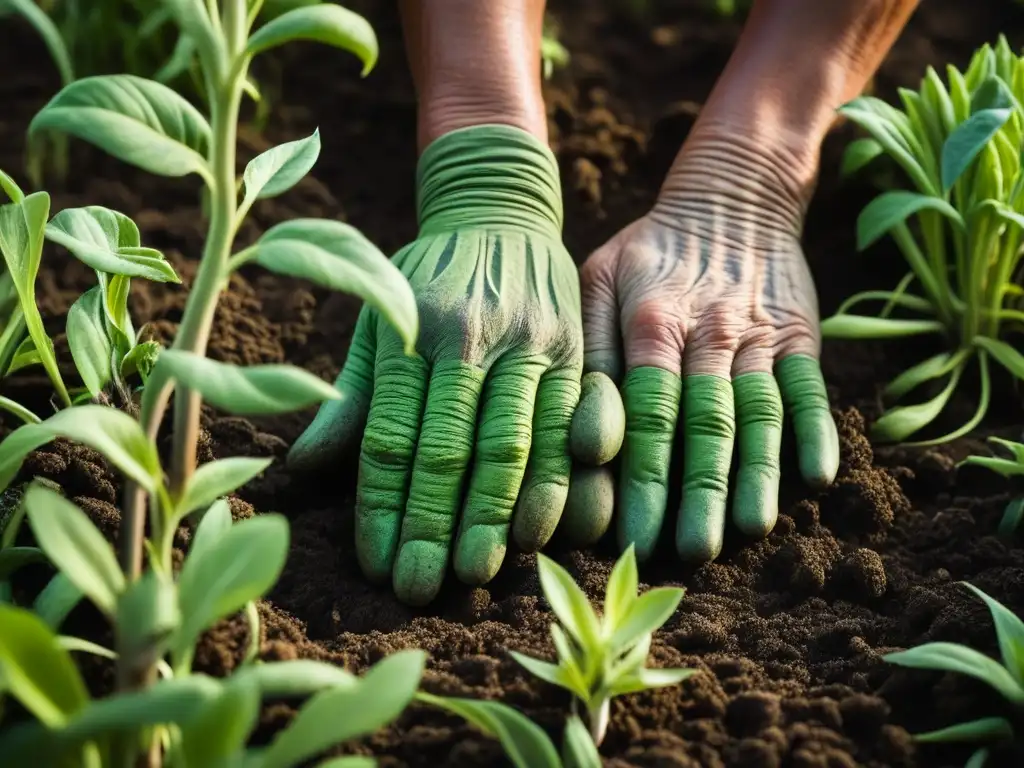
(708, 307)
(492, 391)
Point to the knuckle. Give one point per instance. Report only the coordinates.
(650, 323)
(387, 447)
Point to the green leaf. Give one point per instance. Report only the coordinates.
(549, 673)
(861, 327)
(10, 188)
(220, 732)
(147, 616)
(57, 600)
(644, 679)
(115, 434)
(136, 120)
(349, 761)
(219, 478)
(50, 34)
(967, 140)
(21, 245)
(140, 359)
(950, 657)
(280, 168)
(14, 558)
(1009, 632)
(75, 546)
(108, 241)
(1004, 354)
(892, 208)
(90, 345)
(978, 759)
(620, 594)
(578, 749)
(258, 390)
(337, 256)
(927, 370)
(858, 154)
(993, 93)
(342, 713)
(1012, 517)
(241, 565)
(325, 23)
(36, 670)
(297, 677)
(569, 603)
(986, 729)
(525, 744)
(214, 524)
(647, 613)
(898, 424)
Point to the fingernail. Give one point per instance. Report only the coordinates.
(537, 514)
(479, 554)
(641, 514)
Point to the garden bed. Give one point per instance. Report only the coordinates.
(788, 632)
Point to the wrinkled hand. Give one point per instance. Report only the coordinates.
(491, 394)
(699, 303)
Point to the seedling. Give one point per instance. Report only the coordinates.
(99, 328)
(1011, 467)
(600, 658)
(959, 143)
(1006, 679)
(553, 55)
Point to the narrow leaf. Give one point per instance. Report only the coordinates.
(1012, 517)
(544, 670)
(10, 188)
(217, 734)
(861, 327)
(1009, 632)
(147, 616)
(1004, 354)
(219, 478)
(900, 423)
(324, 23)
(578, 749)
(621, 591)
(58, 598)
(858, 154)
(569, 603)
(986, 729)
(647, 613)
(90, 345)
(892, 208)
(14, 558)
(49, 32)
(950, 657)
(297, 677)
(280, 168)
(967, 140)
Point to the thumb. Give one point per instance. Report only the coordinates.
(599, 422)
(338, 426)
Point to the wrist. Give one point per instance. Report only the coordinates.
(451, 110)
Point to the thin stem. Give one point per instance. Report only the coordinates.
(18, 410)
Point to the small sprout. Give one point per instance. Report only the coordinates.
(1007, 678)
(600, 658)
(1011, 467)
(553, 55)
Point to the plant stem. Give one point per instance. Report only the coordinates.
(598, 719)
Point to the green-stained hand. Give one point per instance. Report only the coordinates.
(490, 396)
(706, 313)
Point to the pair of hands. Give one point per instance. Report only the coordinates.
(707, 324)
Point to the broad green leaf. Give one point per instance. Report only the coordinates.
(280, 168)
(256, 390)
(525, 744)
(115, 434)
(219, 478)
(108, 241)
(57, 600)
(569, 603)
(950, 657)
(964, 143)
(221, 730)
(297, 677)
(987, 729)
(241, 565)
(647, 613)
(90, 345)
(621, 591)
(214, 524)
(1009, 632)
(140, 359)
(136, 120)
(342, 713)
(34, 14)
(75, 546)
(10, 188)
(578, 749)
(993, 93)
(339, 257)
(549, 673)
(892, 208)
(115, 302)
(13, 558)
(21, 245)
(858, 154)
(36, 670)
(325, 23)
(861, 327)
(147, 616)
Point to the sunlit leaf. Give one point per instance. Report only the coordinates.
(324, 23)
(280, 168)
(90, 345)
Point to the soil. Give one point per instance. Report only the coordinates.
(788, 632)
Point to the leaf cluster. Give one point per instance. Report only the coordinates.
(1007, 467)
(960, 229)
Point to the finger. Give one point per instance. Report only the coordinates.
(385, 462)
(599, 421)
(709, 429)
(439, 469)
(338, 424)
(502, 449)
(806, 400)
(602, 347)
(758, 403)
(652, 398)
(547, 475)
(589, 506)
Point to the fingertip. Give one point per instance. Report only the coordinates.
(599, 421)
(589, 506)
(756, 504)
(334, 432)
(642, 514)
(700, 528)
(419, 572)
(376, 544)
(537, 514)
(479, 554)
(819, 452)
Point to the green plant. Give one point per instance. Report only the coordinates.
(600, 658)
(960, 230)
(1011, 467)
(1007, 678)
(103, 342)
(553, 55)
(155, 616)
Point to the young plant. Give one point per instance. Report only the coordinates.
(553, 55)
(1011, 467)
(1006, 679)
(960, 230)
(99, 328)
(600, 658)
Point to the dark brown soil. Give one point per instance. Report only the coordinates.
(788, 632)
